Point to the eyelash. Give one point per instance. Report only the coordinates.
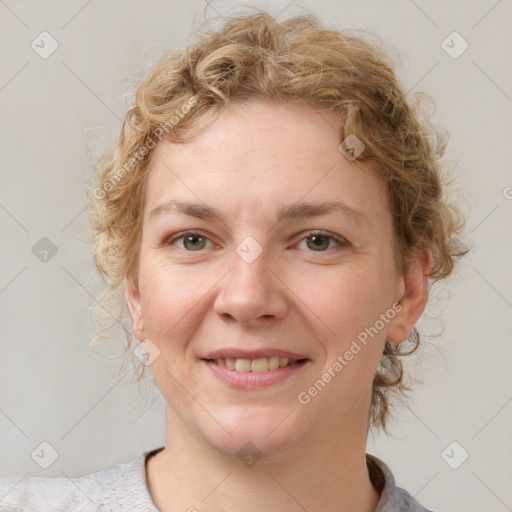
(342, 242)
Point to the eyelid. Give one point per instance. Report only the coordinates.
(182, 234)
(340, 240)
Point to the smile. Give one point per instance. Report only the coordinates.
(251, 374)
(262, 364)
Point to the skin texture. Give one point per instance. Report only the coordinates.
(297, 295)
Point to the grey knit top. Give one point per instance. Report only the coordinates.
(123, 488)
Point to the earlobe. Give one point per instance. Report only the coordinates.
(133, 302)
(414, 298)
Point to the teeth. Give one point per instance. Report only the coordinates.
(243, 365)
(273, 362)
(259, 365)
(262, 364)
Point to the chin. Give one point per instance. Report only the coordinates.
(257, 434)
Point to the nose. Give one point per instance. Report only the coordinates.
(252, 293)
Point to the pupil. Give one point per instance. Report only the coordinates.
(191, 239)
(321, 238)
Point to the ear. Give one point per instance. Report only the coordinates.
(133, 301)
(414, 296)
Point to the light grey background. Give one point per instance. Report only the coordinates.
(60, 113)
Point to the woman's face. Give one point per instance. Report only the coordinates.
(245, 257)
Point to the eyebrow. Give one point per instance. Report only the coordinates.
(290, 211)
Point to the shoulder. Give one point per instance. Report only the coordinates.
(59, 493)
(117, 487)
(392, 498)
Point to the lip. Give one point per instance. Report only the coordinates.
(252, 380)
(236, 353)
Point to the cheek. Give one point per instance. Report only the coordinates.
(351, 305)
(171, 303)
(169, 298)
(349, 300)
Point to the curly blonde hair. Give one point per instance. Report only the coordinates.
(296, 61)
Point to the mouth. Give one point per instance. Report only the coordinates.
(254, 369)
(258, 365)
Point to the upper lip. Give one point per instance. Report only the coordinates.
(237, 353)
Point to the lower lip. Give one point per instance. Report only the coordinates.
(249, 380)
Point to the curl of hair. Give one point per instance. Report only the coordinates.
(295, 61)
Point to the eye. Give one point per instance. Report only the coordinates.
(321, 242)
(317, 241)
(192, 241)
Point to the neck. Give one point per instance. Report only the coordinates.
(326, 473)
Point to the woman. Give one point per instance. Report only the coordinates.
(270, 220)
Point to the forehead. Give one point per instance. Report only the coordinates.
(261, 155)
